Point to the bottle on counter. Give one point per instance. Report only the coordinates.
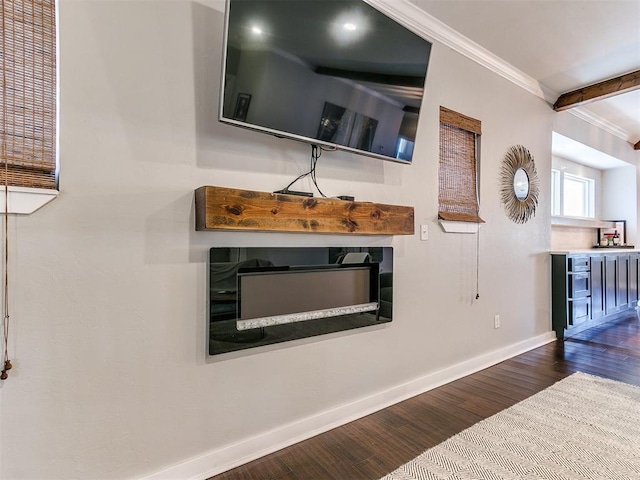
(616, 238)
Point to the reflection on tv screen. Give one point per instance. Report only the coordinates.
(337, 73)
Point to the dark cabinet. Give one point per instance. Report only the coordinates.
(617, 270)
(611, 284)
(623, 282)
(634, 260)
(571, 291)
(578, 311)
(579, 284)
(597, 287)
(590, 289)
(579, 291)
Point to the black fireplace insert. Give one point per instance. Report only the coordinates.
(260, 296)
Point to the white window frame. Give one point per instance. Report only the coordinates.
(556, 198)
(558, 178)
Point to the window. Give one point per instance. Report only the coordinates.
(555, 192)
(404, 149)
(458, 168)
(572, 195)
(28, 95)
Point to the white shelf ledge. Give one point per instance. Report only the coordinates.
(580, 222)
(25, 201)
(459, 227)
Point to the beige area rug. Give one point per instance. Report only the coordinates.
(583, 427)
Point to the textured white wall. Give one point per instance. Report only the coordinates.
(572, 238)
(111, 377)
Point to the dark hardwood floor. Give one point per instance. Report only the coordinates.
(375, 445)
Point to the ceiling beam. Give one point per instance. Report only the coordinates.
(373, 77)
(598, 91)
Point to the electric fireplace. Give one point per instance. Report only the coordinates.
(261, 296)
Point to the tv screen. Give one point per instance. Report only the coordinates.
(334, 73)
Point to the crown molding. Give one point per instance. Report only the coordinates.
(429, 27)
(423, 24)
(601, 123)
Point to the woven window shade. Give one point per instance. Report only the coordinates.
(28, 80)
(457, 174)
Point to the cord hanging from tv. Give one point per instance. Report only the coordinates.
(316, 152)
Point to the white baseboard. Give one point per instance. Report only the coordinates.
(231, 456)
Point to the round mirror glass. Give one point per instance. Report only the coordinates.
(521, 184)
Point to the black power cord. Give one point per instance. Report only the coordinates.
(316, 152)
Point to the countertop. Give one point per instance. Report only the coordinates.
(593, 251)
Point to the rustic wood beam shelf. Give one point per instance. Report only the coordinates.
(220, 208)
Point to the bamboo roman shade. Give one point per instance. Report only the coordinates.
(28, 81)
(458, 174)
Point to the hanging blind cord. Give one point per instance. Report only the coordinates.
(478, 263)
(5, 323)
(7, 363)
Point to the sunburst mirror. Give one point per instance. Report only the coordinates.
(520, 185)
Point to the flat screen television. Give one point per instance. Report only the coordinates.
(334, 73)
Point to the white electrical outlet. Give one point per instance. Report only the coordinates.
(424, 232)
(496, 321)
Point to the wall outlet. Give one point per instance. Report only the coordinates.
(424, 232)
(496, 321)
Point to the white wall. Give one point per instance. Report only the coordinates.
(111, 377)
(620, 199)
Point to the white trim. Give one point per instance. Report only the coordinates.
(459, 227)
(423, 24)
(231, 456)
(601, 123)
(559, 221)
(25, 201)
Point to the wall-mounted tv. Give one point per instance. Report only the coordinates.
(334, 73)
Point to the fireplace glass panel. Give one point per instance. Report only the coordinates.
(260, 296)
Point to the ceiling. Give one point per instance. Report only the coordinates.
(563, 44)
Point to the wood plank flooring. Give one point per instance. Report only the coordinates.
(373, 446)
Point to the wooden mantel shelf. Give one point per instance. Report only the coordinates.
(233, 209)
